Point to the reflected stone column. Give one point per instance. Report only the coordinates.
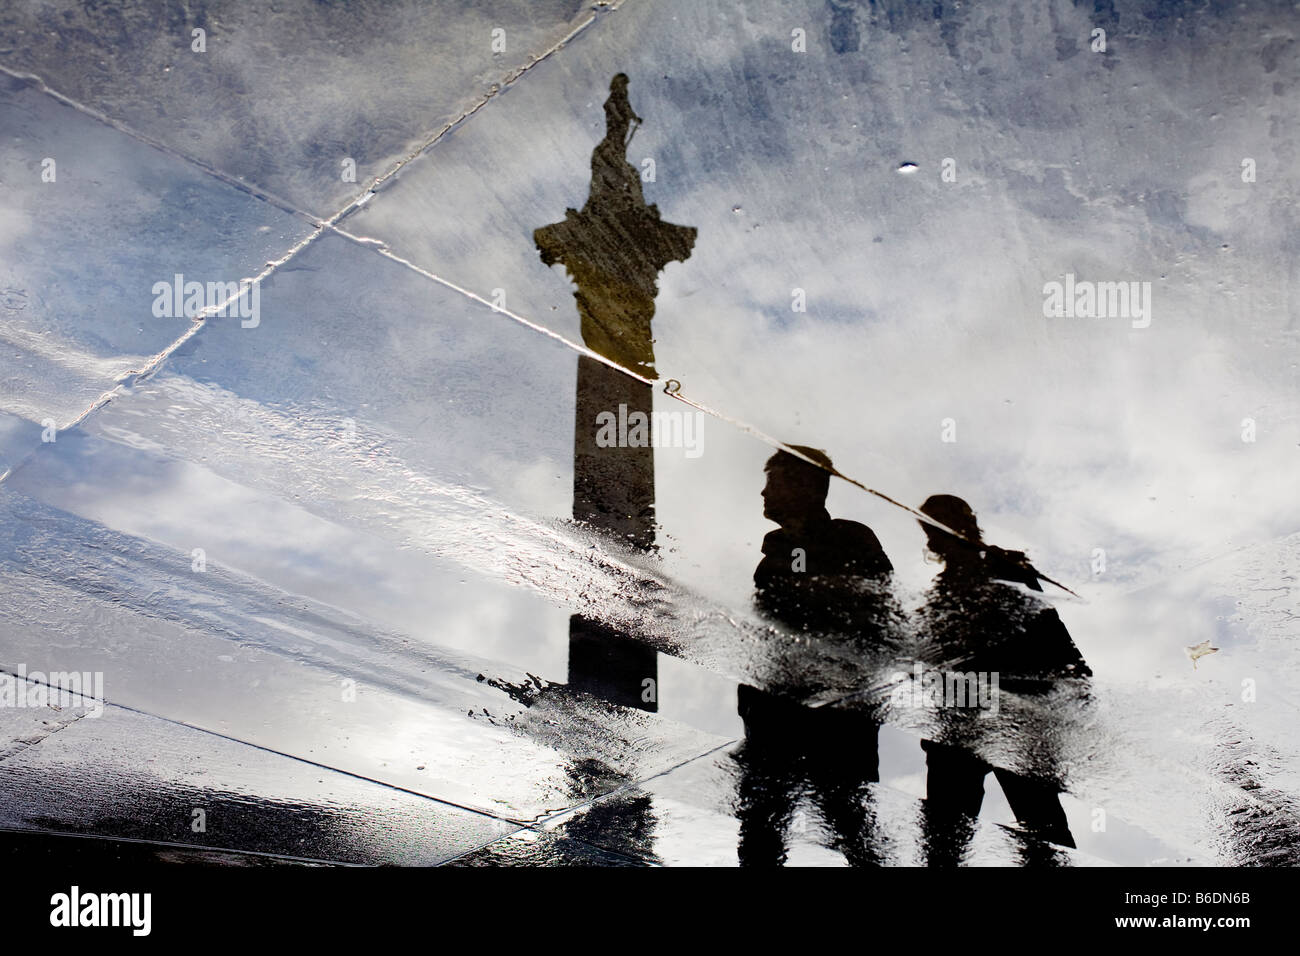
(614, 249)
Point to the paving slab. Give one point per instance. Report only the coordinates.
(93, 221)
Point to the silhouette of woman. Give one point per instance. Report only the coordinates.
(974, 621)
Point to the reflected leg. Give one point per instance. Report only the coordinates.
(954, 794)
(843, 751)
(771, 776)
(1037, 806)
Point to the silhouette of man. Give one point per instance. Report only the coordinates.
(812, 563)
(975, 622)
(826, 576)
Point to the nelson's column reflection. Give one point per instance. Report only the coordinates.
(614, 249)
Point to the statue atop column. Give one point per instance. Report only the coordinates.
(616, 246)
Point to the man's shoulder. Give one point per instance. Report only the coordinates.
(859, 543)
(851, 530)
(774, 541)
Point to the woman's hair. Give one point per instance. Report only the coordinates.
(954, 513)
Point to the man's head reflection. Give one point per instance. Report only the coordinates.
(795, 494)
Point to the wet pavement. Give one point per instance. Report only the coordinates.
(632, 416)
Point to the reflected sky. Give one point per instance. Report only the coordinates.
(75, 309)
(924, 297)
(330, 66)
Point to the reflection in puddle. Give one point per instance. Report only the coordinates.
(993, 629)
(614, 249)
(616, 246)
(827, 576)
(599, 657)
(818, 576)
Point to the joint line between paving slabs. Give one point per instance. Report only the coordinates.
(29, 744)
(380, 248)
(320, 225)
(280, 753)
(631, 784)
(266, 195)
